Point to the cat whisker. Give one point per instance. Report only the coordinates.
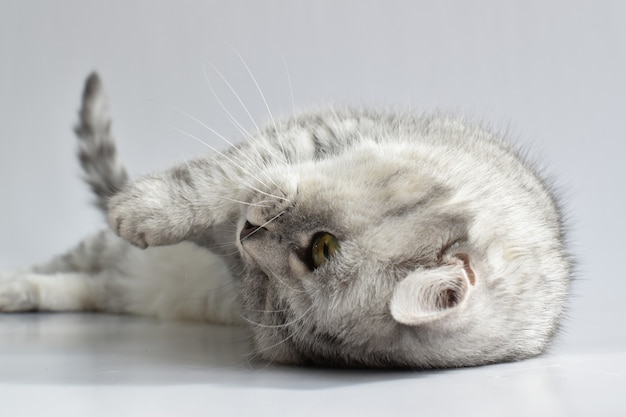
(235, 123)
(284, 284)
(263, 98)
(243, 106)
(249, 360)
(221, 245)
(231, 254)
(269, 311)
(258, 87)
(276, 353)
(258, 351)
(275, 326)
(232, 161)
(259, 191)
(264, 224)
(216, 133)
(293, 103)
(280, 157)
(236, 163)
(230, 116)
(267, 194)
(273, 218)
(201, 123)
(240, 166)
(257, 204)
(247, 338)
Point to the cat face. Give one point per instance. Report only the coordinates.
(359, 260)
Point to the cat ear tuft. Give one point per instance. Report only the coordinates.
(426, 295)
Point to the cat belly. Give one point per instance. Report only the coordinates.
(181, 281)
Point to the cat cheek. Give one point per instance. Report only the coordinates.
(296, 266)
(426, 295)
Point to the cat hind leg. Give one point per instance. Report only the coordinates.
(83, 279)
(48, 292)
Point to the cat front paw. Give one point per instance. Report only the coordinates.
(145, 214)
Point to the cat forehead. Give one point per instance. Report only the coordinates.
(366, 185)
(384, 170)
(395, 213)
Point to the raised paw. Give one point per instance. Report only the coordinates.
(147, 214)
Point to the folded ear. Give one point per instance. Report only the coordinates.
(426, 295)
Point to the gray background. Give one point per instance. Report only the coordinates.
(552, 73)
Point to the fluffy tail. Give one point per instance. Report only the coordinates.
(96, 145)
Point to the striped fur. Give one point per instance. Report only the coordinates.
(97, 152)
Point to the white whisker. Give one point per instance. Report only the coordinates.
(266, 348)
(269, 311)
(278, 156)
(284, 284)
(210, 129)
(269, 112)
(232, 118)
(293, 103)
(258, 87)
(276, 326)
(264, 224)
(257, 204)
(222, 245)
(201, 123)
(272, 219)
(243, 106)
(233, 162)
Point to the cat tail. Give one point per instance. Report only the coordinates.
(96, 145)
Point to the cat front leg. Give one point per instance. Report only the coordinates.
(151, 212)
(175, 205)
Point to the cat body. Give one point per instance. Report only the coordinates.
(342, 237)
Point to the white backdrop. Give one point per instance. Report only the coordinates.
(553, 73)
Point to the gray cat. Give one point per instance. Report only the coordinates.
(341, 238)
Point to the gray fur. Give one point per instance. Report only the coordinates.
(451, 245)
(97, 152)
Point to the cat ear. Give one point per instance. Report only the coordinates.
(426, 295)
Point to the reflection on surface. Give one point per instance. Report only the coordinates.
(156, 366)
(94, 348)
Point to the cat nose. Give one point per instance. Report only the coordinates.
(247, 230)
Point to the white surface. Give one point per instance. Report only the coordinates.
(106, 365)
(551, 71)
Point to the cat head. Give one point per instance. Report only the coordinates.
(365, 259)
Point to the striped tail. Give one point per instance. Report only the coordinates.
(96, 145)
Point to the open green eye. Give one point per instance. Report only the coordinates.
(324, 247)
